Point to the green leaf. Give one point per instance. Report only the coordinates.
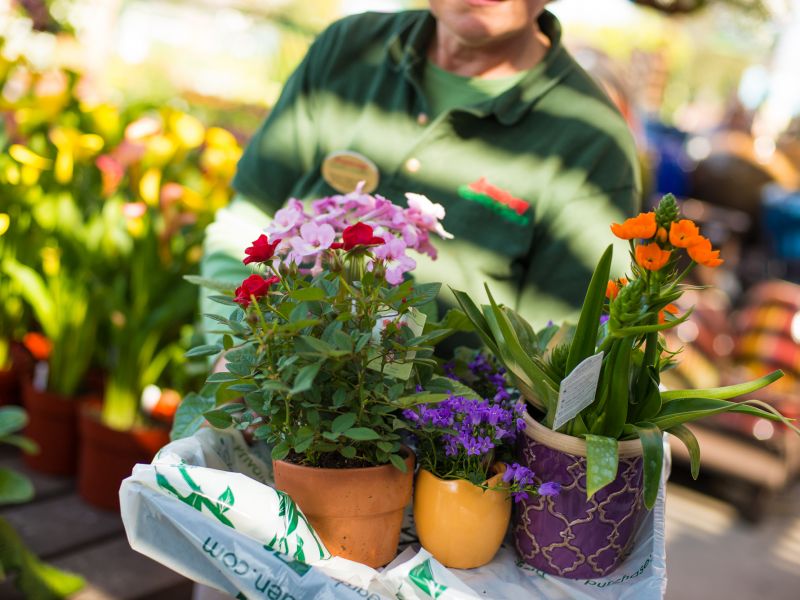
(280, 450)
(227, 341)
(444, 385)
(398, 462)
(189, 416)
(222, 376)
(362, 434)
(423, 398)
(585, 340)
(477, 319)
(602, 462)
(307, 343)
(218, 418)
(12, 419)
(217, 286)
(724, 393)
(204, 350)
(686, 410)
(347, 451)
(308, 294)
(685, 435)
(26, 444)
(305, 378)
(36, 293)
(14, 487)
(343, 422)
(35, 579)
(653, 460)
(226, 300)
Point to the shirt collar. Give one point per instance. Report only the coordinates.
(408, 47)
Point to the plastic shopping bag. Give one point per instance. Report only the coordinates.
(205, 508)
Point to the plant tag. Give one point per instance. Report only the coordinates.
(41, 373)
(415, 321)
(577, 390)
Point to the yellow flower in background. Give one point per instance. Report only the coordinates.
(105, 118)
(26, 156)
(11, 174)
(160, 149)
(72, 145)
(5, 222)
(31, 163)
(189, 131)
(150, 186)
(51, 261)
(217, 137)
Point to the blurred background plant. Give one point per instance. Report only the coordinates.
(34, 578)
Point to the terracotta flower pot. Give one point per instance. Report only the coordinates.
(107, 456)
(568, 535)
(460, 524)
(53, 425)
(356, 512)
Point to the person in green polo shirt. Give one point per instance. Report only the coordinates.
(473, 103)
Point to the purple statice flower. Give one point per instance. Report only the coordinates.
(604, 319)
(449, 369)
(550, 488)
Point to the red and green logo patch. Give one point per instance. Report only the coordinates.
(502, 202)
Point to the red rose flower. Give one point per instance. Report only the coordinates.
(261, 250)
(359, 234)
(255, 285)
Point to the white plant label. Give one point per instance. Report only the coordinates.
(577, 389)
(401, 369)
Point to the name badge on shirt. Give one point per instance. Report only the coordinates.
(343, 170)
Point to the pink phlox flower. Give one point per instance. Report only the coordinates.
(426, 214)
(393, 253)
(287, 220)
(313, 240)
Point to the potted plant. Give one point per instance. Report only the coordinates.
(326, 348)
(598, 411)
(465, 444)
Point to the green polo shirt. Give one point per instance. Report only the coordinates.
(552, 142)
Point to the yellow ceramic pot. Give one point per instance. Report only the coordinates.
(461, 524)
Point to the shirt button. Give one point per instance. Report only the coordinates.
(422, 119)
(413, 165)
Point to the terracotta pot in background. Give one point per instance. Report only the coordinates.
(568, 535)
(53, 425)
(107, 456)
(357, 513)
(459, 523)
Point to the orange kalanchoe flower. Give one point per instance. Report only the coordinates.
(612, 289)
(661, 235)
(700, 252)
(651, 256)
(684, 233)
(642, 226)
(669, 308)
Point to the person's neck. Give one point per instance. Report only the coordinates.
(501, 58)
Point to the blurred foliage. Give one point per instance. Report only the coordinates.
(34, 578)
(105, 208)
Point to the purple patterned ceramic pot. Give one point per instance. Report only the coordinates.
(568, 535)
